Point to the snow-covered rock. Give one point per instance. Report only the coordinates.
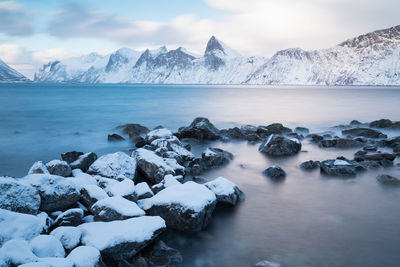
(69, 236)
(47, 246)
(91, 193)
(277, 145)
(171, 147)
(115, 208)
(56, 262)
(18, 197)
(225, 190)
(143, 190)
(125, 188)
(81, 179)
(113, 165)
(162, 133)
(122, 239)
(84, 161)
(169, 180)
(86, 256)
(15, 252)
(71, 217)
(200, 128)
(338, 168)
(38, 167)
(184, 207)
(59, 167)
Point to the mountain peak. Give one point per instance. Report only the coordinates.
(214, 45)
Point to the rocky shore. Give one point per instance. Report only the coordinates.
(112, 210)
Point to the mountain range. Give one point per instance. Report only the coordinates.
(8, 74)
(369, 59)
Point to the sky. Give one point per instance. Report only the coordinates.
(32, 33)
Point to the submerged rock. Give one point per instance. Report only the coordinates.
(200, 128)
(388, 180)
(159, 254)
(310, 165)
(366, 132)
(59, 167)
(115, 138)
(113, 165)
(275, 172)
(301, 130)
(338, 168)
(71, 156)
(226, 191)
(280, 146)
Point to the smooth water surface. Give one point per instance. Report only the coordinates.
(306, 220)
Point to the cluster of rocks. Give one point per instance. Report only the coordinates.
(86, 210)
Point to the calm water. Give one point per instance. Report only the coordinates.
(306, 220)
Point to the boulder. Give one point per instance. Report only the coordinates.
(133, 130)
(347, 143)
(315, 138)
(113, 165)
(84, 161)
(18, 197)
(226, 191)
(201, 129)
(234, 133)
(71, 217)
(69, 236)
(164, 147)
(370, 148)
(169, 180)
(160, 133)
(59, 167)
(122, 239)
(215, 157)
(366, 132)
(382, 123)
(38, 167)
(274, 128)
(159, 254)
(388, 180)
(115, 208)
(71, 156)
(90, 194)
(338, 168)
(125, 189)
(302, 130)
(185, 207)
(47, 246)
(143, 190)
(280, 146)
(55, 262)
(85, 256)
(15, 252)
(310, 165)
(275, 172)
(115, 138)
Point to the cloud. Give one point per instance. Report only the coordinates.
(15, 19)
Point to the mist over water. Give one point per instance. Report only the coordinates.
(306, 220)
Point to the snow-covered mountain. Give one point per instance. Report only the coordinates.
(370, 59)
(8, 74)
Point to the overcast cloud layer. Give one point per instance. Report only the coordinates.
(252, 27)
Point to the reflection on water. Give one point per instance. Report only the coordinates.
(306, 220)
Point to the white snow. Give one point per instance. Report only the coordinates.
(102, 235)
(150, 156)
(190, 195)
(123, 188)
(221, 186)
(84, 256)
(95, 192)
(47, 246)
(209, 153)
(69, 236)
(340, 162)
(142, 189)
(121, 205)
(38, 167)
(80, 179)
(158, 133)
(112, 165)
(15, 252)
(55, 162)
(56, 262)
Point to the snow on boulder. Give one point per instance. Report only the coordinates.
(168, 180)
(151, 165)
(56, 262)
(71, 217)
(69, 236)
(15, 252)
(56, 193)
(18, 197)
(125, 188)
(81, 179)
(184, 207)
(19, 225)
(157, 134)
(59, 167)
(84, 161)
(338, 167)
(122, 239)
(38, 167)
(277, 145)
(47, 246)
(164, 147)
(143, 190)
(201, 129)
(36, 264)
(226, 191)
(112, 165)
(115, 208)
(85, 256)
(90, 194)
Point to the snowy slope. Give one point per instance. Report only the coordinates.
(8, 74)
(370, 59)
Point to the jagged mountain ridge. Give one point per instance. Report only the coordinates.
(369, 59)
(8, 74)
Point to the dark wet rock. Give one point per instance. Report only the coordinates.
(200, 179)
(316, 138)
(275, 172)
(367, 165)
(388, 180)
(38, 168)
(71, 217)
(133, 130)
(327, 143)
(159, 254)
(201, 129)
(226, 191)
(71, 156)
(18, 197)
(392, 142)
(338, 168)
(366, 132)
(396, 149)
(188, 147)
(280, 146)
(310, 165)
(84, 161)
(115, 137)
(347, 143)
(370, 148)
(380, 156)
(115, 208)
(215, 157)
(355, 123)
(382, 123)
(59, 167)
(301, 130)
(274, 128)
(140, 142)
(234, 133)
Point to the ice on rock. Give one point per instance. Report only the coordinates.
(47, 246)
(85, 256)
(113, 165)
(69, 236)
(15, 252)
(115, 208)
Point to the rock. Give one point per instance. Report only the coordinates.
(90, 194)
(370, 148)
(396, 149)
(140, 142)
(234, 133)
(201, 129)
(16, 225)
(301, 130)
(59, 167)
(275, 172)
(115, 138)
(85, 256)
(113, 165)
(70, 157)
(115, 208)
(160, 133)
(18, 197)
(15, 252)
(280, 146)
(383, 123)
(84, 161)
(164, 147)
(338, 168)
(133, 130)
(355, 123)
(366, 132)
(143, 190)
(71, 217)
(169, 180)
(122, 239)
(266, 263)
(215, 157)
(327, 143)
(226, 191)
(56, 193)
(159, 254)
(153, 167)
(38, 167)
(310, 165)
(380, 156)
(392, 142)
(388, 180)
(69, 236)
(315, 138)
(274, 128)
(47, 246)
(347, 143)
(125, 189)
(186, 207)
